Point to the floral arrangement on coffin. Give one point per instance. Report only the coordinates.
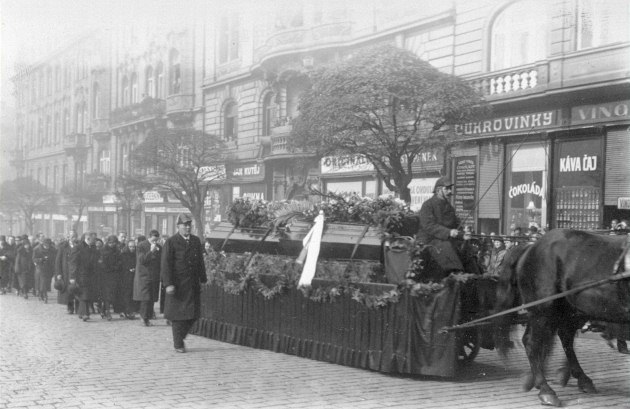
(386, 213)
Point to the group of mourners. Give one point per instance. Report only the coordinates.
(91, 275)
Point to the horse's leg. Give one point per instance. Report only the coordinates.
(566, 332)
(537, 340)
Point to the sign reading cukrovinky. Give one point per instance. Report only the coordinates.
(522, 122)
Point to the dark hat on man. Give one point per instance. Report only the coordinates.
(183, 219)
(25, 237)
(112, 238)
(47, 241)
(443, 181)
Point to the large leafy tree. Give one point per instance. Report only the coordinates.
(386, 104)
(26, 196)
(183, 162)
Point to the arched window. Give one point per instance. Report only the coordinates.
(104, 162)
(134, 88)
(125, 91)
(96, 96)
(175, 75)
(132, 147)
(159, 81)
(295, 87)
(520, 34)
(268, 114)
(149, 88)
(230, 121)
(602, 22)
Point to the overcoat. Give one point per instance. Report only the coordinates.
(110, 272)
(62, 268)
(44, 260)
(125, 301)
(24, 267)
(437, 218)
(5, 266)
(182, 266)
(82, 262)
(146, 283)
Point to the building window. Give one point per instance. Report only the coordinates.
(231, 121)
(104, 162)
(79, 122)
(134, 88)
(150, 84)
(49, 81)
(57, 128)
(184, 156)
(64, 175)
(125, 91)
(48, 130)
(66, 122)
(268, 114)
(602, 22)
(40, 133)
(295, 88)
(57, 79)
(54, 178)
(228, 38)
(96, 96)
(175, 73)
(124, 159)
(159, 81)
(520, 35)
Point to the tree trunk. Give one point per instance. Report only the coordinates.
(405, 194)
(198, 215)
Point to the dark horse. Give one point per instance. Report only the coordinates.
(559, 261)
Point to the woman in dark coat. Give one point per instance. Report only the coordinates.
(146, 285)
(128, 307)
(62, 270)
(6, 261)
(24, 267)
(111, 274)
(82, 263)
(44, 259)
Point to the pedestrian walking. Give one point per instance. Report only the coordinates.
(6, 261)
(13, 281)
(44, 255)
(24, 267)
(82, 263)
(110, 274)
(146, 286)
(182, 272)
(62, 270)
(128, 306)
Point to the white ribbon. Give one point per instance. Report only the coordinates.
(310, 251)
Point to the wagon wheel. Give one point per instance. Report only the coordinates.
(468, 345)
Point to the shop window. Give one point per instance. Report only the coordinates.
(175, 73)
(150, 82)
(231, 121)
(526, 201)
(520, 35)
(601, 22)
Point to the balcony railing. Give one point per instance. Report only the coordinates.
(148, 108)
(279, 145)
(304, 37)
(512, 82)
(178, 103)
(75, 143)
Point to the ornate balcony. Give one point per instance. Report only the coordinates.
(147, 109)
(303, 38)
(178, 103)
(516, 82)
(75, 144)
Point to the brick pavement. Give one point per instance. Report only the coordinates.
(49, 359)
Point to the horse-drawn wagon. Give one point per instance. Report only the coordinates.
(350, 314)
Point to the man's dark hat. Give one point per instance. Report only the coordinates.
(73, 289)
(183, 219)
(443, 181)
(47, 241)
(25, 237)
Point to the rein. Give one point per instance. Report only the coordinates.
(473, 323)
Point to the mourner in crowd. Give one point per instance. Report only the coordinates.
(110, 275)
(122, 240)
(182, 271)
(82, 263)
(44, 255)
(24, 267)
(127, 307)
(146, 288)
(6, 262)
(497, 255)
(439, 229)
(62, 270)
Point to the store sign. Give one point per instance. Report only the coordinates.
(587, 114)
(465, 186)
(109, 199)
(253, 170)
(526, 188)
(585, 163)
(152, 197)
(525, 122)
(421, 190)
(623, 203)
(579, 163)
(212, 173)
(346, 164)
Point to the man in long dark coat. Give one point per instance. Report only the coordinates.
(439, 229)
(62, 270)
(82, 262)
(44, 255)
(182, 272)
(6, 262)
(146, 283)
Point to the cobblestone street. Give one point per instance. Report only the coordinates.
(49, 359)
